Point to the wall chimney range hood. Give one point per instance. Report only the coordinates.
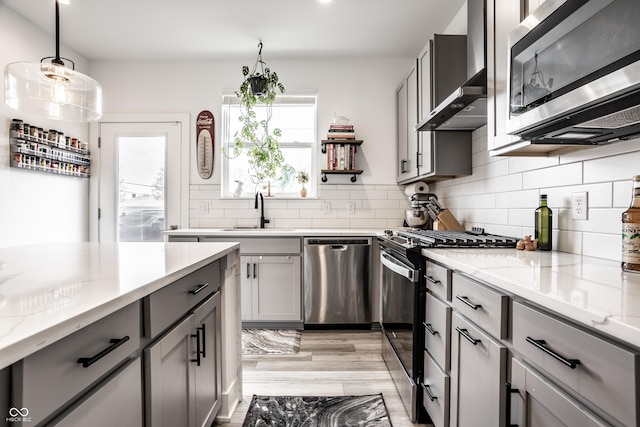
(466, 107)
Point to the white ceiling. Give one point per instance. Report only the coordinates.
(209, 29)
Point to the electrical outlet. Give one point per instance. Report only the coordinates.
(351, 207)
(326, 207)
(203, 207)
(579, 205)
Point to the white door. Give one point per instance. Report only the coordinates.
(140, 180)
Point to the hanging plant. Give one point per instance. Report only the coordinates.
(256, 138)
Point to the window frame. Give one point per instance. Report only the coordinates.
(226, 190)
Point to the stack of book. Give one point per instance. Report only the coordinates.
(341, 157)
(339, 131)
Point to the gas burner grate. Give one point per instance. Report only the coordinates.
(453, 239)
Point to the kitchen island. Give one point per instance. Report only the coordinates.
(51, 294)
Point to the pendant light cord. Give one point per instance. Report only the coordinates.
(57, 59)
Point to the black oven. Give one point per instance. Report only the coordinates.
(403, 291)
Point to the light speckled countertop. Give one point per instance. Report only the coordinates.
(272, 232)
(591, 291)
(48, 291)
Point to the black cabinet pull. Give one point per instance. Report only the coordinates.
(204, 344)
(198, 351)
(248, 270)
(430, 329)
(467, 302)
(465, 334)
(427, 390)
(115, 343)
(510, 391)
(255, 270)
(432, 280)
(200, 288)
(541, 345)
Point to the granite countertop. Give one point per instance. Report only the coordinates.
(272, 232)
(592, 291)
(48, 291)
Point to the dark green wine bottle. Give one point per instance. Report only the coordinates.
(544, 225)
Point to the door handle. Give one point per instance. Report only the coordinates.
(198, 351)
(200, 288)
(115, 343)
(248, 270)
(255, 270)
(204, 337)
(430, 329)
(465, 334)
(542, 345)
(467, 302)
(427, 390)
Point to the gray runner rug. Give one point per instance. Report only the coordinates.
(270, 341)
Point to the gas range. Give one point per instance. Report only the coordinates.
(408, 239)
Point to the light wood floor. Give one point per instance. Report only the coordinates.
(328, 364)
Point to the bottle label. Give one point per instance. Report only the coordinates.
(631, 242)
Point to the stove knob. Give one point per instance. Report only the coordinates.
(388, 232)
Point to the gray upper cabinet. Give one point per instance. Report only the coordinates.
(407, 117)
(426, 155)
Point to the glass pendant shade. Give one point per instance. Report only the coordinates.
(52, 90)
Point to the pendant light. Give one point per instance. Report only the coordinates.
(51, 89)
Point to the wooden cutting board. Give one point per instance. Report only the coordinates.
(449, 221)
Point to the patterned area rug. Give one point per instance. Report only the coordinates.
(270, 341)
(314, 411)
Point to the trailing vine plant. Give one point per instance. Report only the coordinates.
(256, 138)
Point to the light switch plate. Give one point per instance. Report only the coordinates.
(579, 205)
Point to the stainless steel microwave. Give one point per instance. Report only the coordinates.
(574, 73)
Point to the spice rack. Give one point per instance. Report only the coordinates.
(53, 154)
(341, 157)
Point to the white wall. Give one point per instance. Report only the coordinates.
(503, 192)
(363, 90)
(36, 206)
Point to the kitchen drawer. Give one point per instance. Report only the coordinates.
(51, 377)
(435, 389)
(485, 307)
(120, 394)
(262, 245)
(438, 280)
(169, 304)
(437, 332)
(605, 374)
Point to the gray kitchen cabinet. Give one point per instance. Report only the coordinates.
(271, 288)
(117, 402)
(478, 375)
(63, 372)
(502, 17)
(537, 402)
(407, 117)
(182, 377)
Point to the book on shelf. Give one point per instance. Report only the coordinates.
(341, 157)
(340, 127)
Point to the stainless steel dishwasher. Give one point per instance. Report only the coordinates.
(337, 281)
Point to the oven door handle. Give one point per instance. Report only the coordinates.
(401, 269)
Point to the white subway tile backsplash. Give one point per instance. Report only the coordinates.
(523, 164)
(331, 223)
(602, 245)
(503, 183)
(553, 177)
(622, 193)
(569, 241)
(613, 168)
(517, 199)
(522, 217)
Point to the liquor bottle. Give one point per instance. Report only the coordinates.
(544, 225)
(631, 231)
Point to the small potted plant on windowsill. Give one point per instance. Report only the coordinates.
(303, 178)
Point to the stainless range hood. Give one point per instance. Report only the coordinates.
(466, 107)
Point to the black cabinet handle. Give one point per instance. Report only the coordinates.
(541, 345)
(430, 329)
(432, 280)
(115, 343)
(510, 391)
(248, 270)
(198, 350)
(402, 166)
(204, 344)
(465, 334)
(427, 390)
(467, 302)
(200, 288)
(255, 270)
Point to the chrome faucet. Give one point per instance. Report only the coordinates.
(263, 221)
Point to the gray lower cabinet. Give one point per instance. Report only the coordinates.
(478, 376)
(271, 288)
(182, 373)
(535, 401)
(116, 402)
